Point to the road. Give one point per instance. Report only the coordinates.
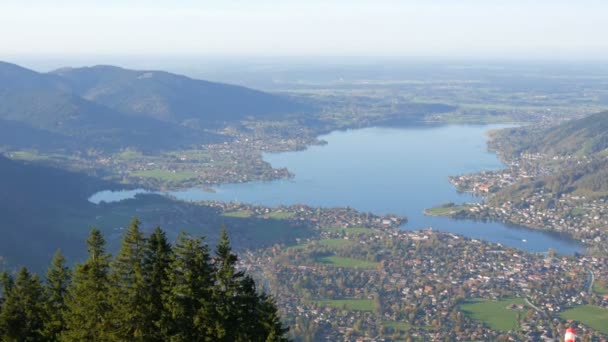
(532, 305)
(590, 280)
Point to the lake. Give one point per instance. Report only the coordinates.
(385, 170)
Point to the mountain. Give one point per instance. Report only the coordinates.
(110, 108)
(169, 97)
(584, 136)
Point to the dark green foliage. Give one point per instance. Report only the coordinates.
(151, 291)
(88, 314)
(128, 288)
(228, 283)
(240, 312)
(58, 279)
(23, 311)
(188, 299)
(157, 263)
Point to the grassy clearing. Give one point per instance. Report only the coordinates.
(494, 313)
(237, 214)
(28, 155)
(280, 215)
(600, 287)
(166, 175)
(397, 326)
(129, 154)
(590, 315)
(339, 261)
(353, 231)
(300, 246)
(335, 242)
(444, 210)
(578, 211)
(348, 304)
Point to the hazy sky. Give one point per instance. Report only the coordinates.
(437, 28)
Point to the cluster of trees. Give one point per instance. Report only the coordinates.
(151, 291)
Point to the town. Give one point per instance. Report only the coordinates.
(387, 284)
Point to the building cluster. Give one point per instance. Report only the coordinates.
(419, 280)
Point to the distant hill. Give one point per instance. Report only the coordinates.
(110, 107)
(584, 136)
(169, 97)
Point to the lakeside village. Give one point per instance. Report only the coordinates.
(236, 161)
(583, 218)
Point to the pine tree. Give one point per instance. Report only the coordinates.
(128, 288)
(225, 291)
(23, 313)
(7, 283)
(270, 320)
(188, 297)
(157, 262)
(87, 317)
(58, 280)
(246, 312)
(241, 314)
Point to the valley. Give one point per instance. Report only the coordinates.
(324, 189)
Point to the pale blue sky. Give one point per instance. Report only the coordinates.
(436, 28)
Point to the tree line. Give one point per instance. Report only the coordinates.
(151, 291)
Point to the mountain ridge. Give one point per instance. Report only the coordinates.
(110, 107)
(584, 136)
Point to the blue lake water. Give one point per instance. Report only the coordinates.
(385, 170)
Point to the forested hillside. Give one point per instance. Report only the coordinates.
(151, 291)
(33, 200)
(576, 137)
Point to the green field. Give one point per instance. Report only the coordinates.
(166, 175)
(348, 304)
(28, 155)
(600, 287)
(444, 210)
(339, 261)
(335, 242)
(237, 214)
(578, 211)
(129, 154)
(280, 215)
(494, 313)
(398, 326)
(590, 315)
(353, 231)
